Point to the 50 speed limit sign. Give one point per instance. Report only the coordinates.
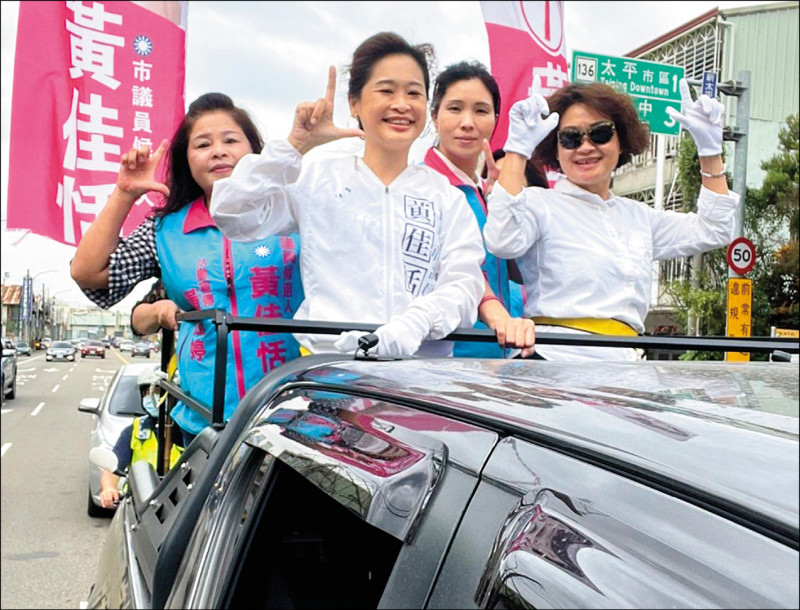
(741, 255)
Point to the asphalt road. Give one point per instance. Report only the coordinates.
(49, 545)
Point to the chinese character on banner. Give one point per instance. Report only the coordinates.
(91, 80)
(526, 40)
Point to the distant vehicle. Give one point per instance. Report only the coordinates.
(113, 412)
(155, 346)
(61, 350)
(22, 347)
(8, 377)
(47, 342)
(78, 343)
(106, 342)
(142, 348)
(126, 345)
(93, 348)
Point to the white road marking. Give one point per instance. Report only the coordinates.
(37, 409)
(4, 411)
(105, 370)
(4, 448)
(26, 370)
(50, 370)
(55, 389)
(64, 377)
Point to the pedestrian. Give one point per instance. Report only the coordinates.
(384, 242)
(464, 110)
(199, 267)
(586, 254)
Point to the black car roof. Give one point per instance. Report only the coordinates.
(727, 430)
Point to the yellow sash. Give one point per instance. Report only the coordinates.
(598, 326)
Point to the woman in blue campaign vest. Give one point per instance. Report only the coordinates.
(199, 267)
(465, 107)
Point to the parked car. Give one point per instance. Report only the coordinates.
(126, 346)
(142, 348)
(22, 347)
(8, 376)
(93, 348)
(60, 350)
(112, 413)
(465, 483)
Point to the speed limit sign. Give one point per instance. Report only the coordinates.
(741, 255)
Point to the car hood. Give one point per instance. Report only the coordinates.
(729, 430)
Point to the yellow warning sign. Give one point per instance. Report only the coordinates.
(785, 332)
(740, 315)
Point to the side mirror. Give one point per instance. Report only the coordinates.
(105, 458)
(90, 405)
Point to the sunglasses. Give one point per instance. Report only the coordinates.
(599, 133)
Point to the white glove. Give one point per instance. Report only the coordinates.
(526, 127)
(400, 336)
(702, 118)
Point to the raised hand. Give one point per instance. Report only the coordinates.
(702, 118)
(313, 121)
(137, 170)
(526, 126)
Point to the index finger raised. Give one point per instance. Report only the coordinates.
(331, 84)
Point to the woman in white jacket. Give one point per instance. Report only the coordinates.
(586, 254)
(384, 242)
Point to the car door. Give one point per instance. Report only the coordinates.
(333, 500)
(546, 529)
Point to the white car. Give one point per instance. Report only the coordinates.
(126, 346)
(112, 413)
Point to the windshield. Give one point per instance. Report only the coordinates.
(62, 344)
(22, 344)
(126, 399)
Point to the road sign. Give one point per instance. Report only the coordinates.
(741, 255)
(653, 86)
(740, 314)
(709, 86)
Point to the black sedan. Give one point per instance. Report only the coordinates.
(458, 483)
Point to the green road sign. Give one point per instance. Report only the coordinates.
(652, 86)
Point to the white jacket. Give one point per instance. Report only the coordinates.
(367, 250)
(584, 257)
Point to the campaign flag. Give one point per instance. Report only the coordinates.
(91, 80)
(526, 40)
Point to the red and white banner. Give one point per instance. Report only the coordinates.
(91, 79)
(526, 39)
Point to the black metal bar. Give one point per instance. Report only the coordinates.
(176, 392)
(221, 319)
(167, 348)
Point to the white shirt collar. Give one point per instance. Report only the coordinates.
(459, 174)
(563, 185)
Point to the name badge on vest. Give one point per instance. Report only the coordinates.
(144, 433)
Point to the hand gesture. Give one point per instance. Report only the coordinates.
(702, 118)
(137, 170)
(526, 126)
(516, 333)
(109, 497)
(313, 121)
(492, 171)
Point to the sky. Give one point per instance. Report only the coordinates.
(270, 56)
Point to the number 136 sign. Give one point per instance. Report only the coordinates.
(741, 255)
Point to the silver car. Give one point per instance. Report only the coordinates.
(113, 412)
(61, 350)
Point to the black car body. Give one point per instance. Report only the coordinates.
(8, 374)
(458, 483)
(142, 348)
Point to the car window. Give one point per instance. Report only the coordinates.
(62, 344)
(94, 343)
(126, 399)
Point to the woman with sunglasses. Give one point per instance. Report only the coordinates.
(585, 254)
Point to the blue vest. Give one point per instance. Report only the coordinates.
(495, 270)
(202, 269)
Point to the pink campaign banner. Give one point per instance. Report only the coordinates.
(91, 79)
(526, 39)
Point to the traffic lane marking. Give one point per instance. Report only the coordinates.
(4, 448)
(55, 389)
(38, 408)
